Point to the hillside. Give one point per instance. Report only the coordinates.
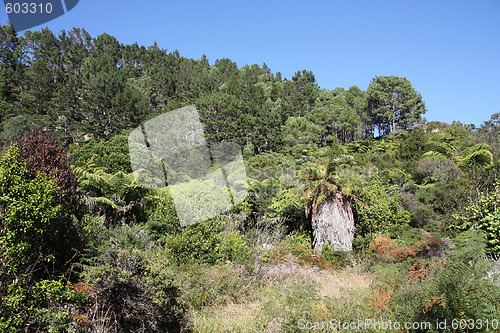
(344, 205)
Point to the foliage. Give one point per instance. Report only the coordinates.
(130, 264)
(205, 242)
(35, 245)
(112, 155)
(43, 154)
(382, 212)
(48, 305)
(451, 290)
(161, 214)
(29, 219)
(484, 215)
(135, 287)
(394, 103)
(113, 196)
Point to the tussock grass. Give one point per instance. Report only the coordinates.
(289, 292)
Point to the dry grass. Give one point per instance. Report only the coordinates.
(229, 318)
(265, 310)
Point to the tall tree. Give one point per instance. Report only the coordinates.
(11, 71)
(394, 103)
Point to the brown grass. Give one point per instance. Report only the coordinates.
(252, 315)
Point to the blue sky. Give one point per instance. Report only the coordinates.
(449, 50)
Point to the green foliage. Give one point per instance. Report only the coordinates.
(394, 103)
(475, 156)
(33, 246)
(206, 242)
(340, 113)
(381, 212)
(484, 215)
(112, 155)
(29, 216)
(114, 196)
(162, 217)
(48, 305)
(300, 131)
(267, 165)
(411, 148)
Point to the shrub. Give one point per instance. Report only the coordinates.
(42, 153)
(484, 215)
(455, 289)
(135, 287)
(382, 212)
(30, 221)
(162, 217)
(113, 154)
(205, 242)
(47, 305)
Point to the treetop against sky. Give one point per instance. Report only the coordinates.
(447, 49)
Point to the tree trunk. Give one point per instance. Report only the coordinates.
(333, 223)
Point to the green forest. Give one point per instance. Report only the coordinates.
(356, 208)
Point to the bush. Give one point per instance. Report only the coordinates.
(453, 289)
(161, 215)
(112, 154)
(484, 215)
(382, 212)
(34, 238)
(135, 288)
(205, 242)
(48, 305)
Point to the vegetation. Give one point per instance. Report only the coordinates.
(357, 208)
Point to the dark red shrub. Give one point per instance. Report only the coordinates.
(43, 153)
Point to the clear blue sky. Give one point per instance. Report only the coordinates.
(449, 50)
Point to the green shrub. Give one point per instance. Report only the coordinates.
(113, 154)
(161, 215)
(48, 305)
(381, 212)
(484, 215)
(205, 242)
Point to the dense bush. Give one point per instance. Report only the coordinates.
(112, 154)
(452, 288)
(135, 288)
(206, 242)
(484, 215)
(381, 211)
(35, 243)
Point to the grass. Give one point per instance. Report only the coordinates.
(286, 293)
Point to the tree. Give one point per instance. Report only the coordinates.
(490, 132)
(301, 92)
(11, 71)
(333, 111)
(358, 101)
(300, 131)
(330, 209)
(394, 104)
